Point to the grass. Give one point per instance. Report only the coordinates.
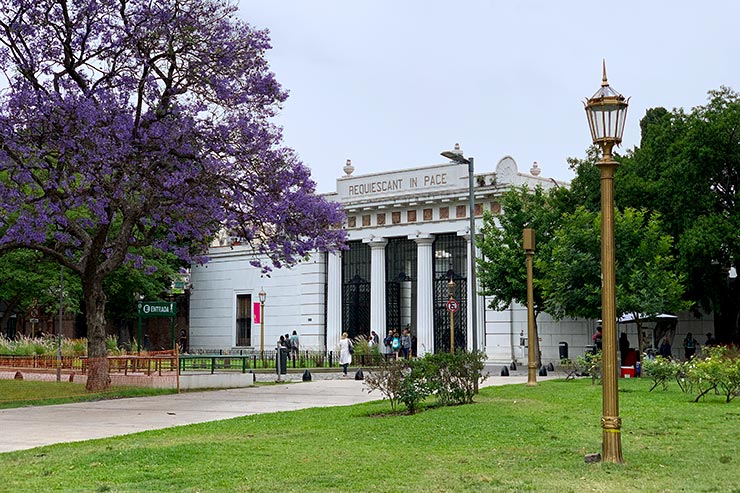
(514, 438)
(20, 393)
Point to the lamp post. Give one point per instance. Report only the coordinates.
(460, 159)
(531, 333)
(606, 111)
(263, 298)
(451, 291)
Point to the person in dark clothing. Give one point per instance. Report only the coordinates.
(665, 348)
(711, 341)
(597, 337)
(624, 347)
(689, 346)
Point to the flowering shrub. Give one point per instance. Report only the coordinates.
(660, 370)
(718, 370)
(590, 364)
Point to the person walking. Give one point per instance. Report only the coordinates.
(406, 343)
(294, 344)
(345, 353)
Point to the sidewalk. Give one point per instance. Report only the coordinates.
(29, 427)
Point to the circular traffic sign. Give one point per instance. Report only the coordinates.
(452, 306)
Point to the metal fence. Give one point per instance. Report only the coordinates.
(239, 361)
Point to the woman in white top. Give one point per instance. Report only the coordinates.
(345, 357)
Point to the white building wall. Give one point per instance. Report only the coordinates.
(295, 300)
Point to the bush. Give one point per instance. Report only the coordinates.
(452, 378)
(719, 370)
(660, 370)
(387, 379)
(590, 364)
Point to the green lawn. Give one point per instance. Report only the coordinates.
(514, 438)
(19, 393)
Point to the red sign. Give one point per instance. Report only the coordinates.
(452, 306)
(257, 313)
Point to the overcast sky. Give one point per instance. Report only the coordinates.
(391, 84)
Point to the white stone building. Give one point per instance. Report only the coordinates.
(408, 233)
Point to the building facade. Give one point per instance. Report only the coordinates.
(408, 237)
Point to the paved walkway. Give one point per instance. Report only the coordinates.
(29, 427)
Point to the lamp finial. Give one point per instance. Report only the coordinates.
(604, 83)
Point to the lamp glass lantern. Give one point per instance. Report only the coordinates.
(263, 296)
(606, 111)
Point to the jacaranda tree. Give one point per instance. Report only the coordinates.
(127, 124)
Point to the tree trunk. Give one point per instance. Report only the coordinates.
(10, 307)
(98, 377)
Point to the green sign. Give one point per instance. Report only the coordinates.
(156, 309)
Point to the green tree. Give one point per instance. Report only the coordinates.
(687, 167)
(502, 271)
(646, 281)
(26, 276)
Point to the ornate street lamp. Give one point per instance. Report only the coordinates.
(263, 298)
(607, 112)
(457, 157)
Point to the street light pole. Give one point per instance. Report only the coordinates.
(531, 333)
(606, 111)
(460, 159)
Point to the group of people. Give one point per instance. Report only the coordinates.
(690, 344)
(290, 342)
(395, 345)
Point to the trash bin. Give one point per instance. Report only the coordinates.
(282, 360)
(563, 348)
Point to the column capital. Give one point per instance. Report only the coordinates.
(422, 238)
(375, 241)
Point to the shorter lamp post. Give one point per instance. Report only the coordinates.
(451, 285)
(263, 298)
(607, 111)
(457, 157)
(531, 333)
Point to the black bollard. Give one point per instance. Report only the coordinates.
(543, 371)
(550, 367)
(359, 375)
(512, 366)
(306, 376)
(254, 377)
(504, 371)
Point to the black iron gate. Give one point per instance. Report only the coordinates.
(450, 261)
(356, 307)
(442, 315)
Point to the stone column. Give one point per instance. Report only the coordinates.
(377, 285)
(424, 294)
(333, 300)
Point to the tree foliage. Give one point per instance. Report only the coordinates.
(646, 281)
(687, 167)
(502, 271)
(129, 124)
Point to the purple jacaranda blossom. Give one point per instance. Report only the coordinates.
(133, 124)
